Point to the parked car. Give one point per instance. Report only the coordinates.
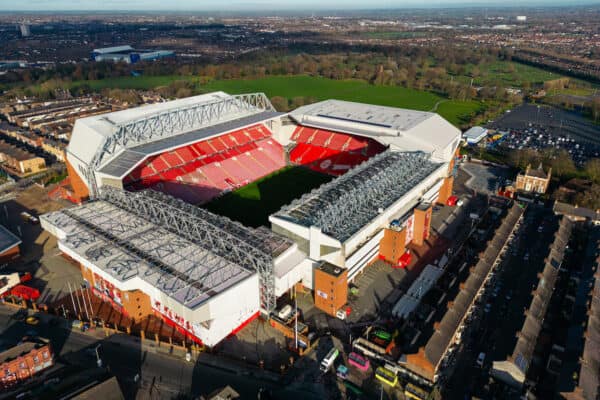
(480, 359)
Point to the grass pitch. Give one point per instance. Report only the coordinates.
(252, 204)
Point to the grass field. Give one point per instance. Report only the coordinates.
(455, 111)
(508, 74)
(252, 204)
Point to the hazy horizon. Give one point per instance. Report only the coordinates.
(268, 5)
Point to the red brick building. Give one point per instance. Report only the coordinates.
(534, 180)
(21, 362)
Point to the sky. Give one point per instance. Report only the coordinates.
(259, 5)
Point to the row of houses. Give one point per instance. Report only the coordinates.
(19, 161)
(53, 118)
(51, 146)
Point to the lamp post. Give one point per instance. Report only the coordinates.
(98, 360)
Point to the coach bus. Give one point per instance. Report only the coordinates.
(414, 392)
(386, 376)
(358, 361)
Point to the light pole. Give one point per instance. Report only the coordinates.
(98, 360)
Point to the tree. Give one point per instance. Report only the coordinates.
(561, 162)
(280, 103)
(592, 169)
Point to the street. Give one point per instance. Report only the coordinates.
(160, 375)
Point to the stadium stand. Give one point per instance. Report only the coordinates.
(331, 152)
(201, 171)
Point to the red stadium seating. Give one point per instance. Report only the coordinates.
(201, 171)
(331, 152)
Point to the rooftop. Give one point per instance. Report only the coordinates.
(130, 245)
(99, 138)
(8, 240)
(135, 248)
(336, 111)
(403, 129)
(331, 269)
(15, 152)
(20, 350)
(129, 158)
(345, 205)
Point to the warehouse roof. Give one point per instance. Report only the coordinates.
(345, 205)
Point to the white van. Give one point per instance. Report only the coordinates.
(285, 313)
(329, 359)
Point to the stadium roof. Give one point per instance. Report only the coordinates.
(129, 158)
(409, 130)
(345, 205)
(133, 247)
(98, 138)
(187, 253)
(7, 239)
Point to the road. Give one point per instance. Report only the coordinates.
(160, 375)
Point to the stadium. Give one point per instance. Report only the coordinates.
(147, 177)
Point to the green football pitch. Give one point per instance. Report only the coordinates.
(252, 204)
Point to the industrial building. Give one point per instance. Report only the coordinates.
(128, 54)
(144, 245)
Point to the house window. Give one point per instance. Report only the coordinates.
(36, 359)
(22, 365)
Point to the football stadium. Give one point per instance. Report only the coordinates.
(157, 231)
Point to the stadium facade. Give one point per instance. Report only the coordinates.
(143, 243)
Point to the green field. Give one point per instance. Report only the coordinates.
(252, 204)
(455, 111)
(507, 74)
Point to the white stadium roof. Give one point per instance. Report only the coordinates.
(346, 204)
(177, 267)
(89, 132)
(99, 140)
(406, 130)
(186, 252)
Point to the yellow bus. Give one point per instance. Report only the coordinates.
(386, 376)
(414, 392)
